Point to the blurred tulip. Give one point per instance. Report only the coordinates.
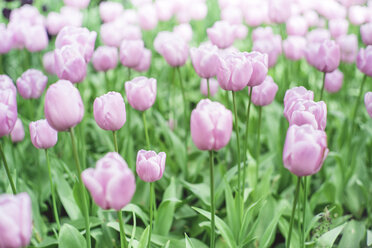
(131, 52)
(8, 107)
(296, 25)
(55, 22)
(264, 94)
(213, 86)
(221, 34)
(349, 47)
(72, 16)
(260, 67)
(6, 83)
(36, 38)
(145, 62)
(81, 4)
(364, 60)
(358, 14)
(211, 125)
(111, 183)
(172, 47)
(147, 17)
(141, 92)
(43, 136)
(232, 15)
(255, 15)
(27, 14)
(184, 30)
(105, 58)
(31, 84)
(63, 106)
(15, 220)
(150, 166)
(241, 32)
(305, 150)
(324, 56)
(338, 27)
(164, 9)
(205, 60)
(109, 111)
(109, 11)
(311, 17)
(6, 39)
(333, 81)
(48, 62)
(368, 102)
(318, 35)
(294, 47)
(366, 33)
(69, 64)
(279, 10)
(262, 33)
(271, 46)
(18, 133)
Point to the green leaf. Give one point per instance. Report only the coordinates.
(269, 234)
(144, 238)
(328, 238)
(48, 241)
(233, 219)
(189, 243)
(138, 211)
(221, 226)
(248, 218)
(353, 234)
(200, 190)
(369, 237)
(66, 196)
(78, 196)
(70, 237)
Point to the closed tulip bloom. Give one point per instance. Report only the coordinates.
(205, 60)
(6, 83)
(305, 150)
(184, 30)
(6, 39)
(8, 111)
(211, 125)
(69, 64)
(112, 33)
(333, 81)
(48, 62)
(358, 14)
(43, 136)
(259, 67)
(349, 47)
(72, 16)
(368, 102)
(232, 15)
(312, 18)
(105, 58)
(261, 33)
(111, 184)
(294, 47)
(55, 22)
(15, 220)
(264, 93)
(338, 27)
(63, 106)
(109, 11)
(18, 31)
(81, 4)
(308, 112)
(28, 14)
(213, 86)
(82, 38)
(131, 52)
(147, 16)
(364, 60)
(325, 56)
(272, 47)
(150, 166)
(172, 47)
(234, 72)
(279, 10)
(221, 34)
(31, 84)
(109, 111)
(164, 9)
(255, 15)
(296, 25)
(18, 132)
(318, 35)
(292, 96)
(366, 33)
(36, 38)
(145, 62)
(141, 92)
(241, 31)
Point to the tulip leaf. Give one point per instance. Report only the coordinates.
(353, 234)
(189, 243)
(369, 238)
(65, 194)
(328, 238)
(233, 219)
(69, 237)
(144, 238)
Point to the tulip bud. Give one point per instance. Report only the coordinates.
(48, 63)
(259, 67)
(8, 106)
(279, 10)
(109, 11)
(333, 81)
(211, 125)
(145, 61)
(131, 52)
(305, 150)
(36, 38)
(6, 83)
(308, 112)
(349, 47)
(205, 60)
(294, 47)
(31, 84)
(271, 46)
(213, 86)
(18, 133)
(296, 25)
(141, 92)
(43, 136)
(172, 47)
(69, 64)
(63, 106)
(15, 220)
(338, 27)
(6, 39)
(111, 183)
(264, 94)
(221, 34)
(184, 30)
(150, 166)
(364, 60)
(325, 56)
(147, 17)
(366, 33)
(105, 58)
(368, 102)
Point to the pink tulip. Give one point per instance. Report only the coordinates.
(18, 133)
(63, 106)
(294, 47)
(31, 84)
(18, 31)
(262, 33)
(150, 166)
(131, 52)
(255, 14)
(109, 11)
(6, 83)
(358, 15)
(184, 30)
(213, 86)
(308, 112)
(6, 39)
(69, 64)
(81, 4)
(15, 220)
(364, 60)
(366, 33)
(145, 62)
(72, 16)
(271, 46)
(324, 56)
(349, 47)
(211, 125)
(172, 47)
(8, 106)
(368, 102)
(311, 17)
(221, 34)
(331, 9)
(164, 9)
(318, 35)
(129, 16)
(241, 32)
(264, 94)
(112, 33)
(333, 81)
(297, 25)
(205, 60)
(109, 111)
(105, 58)
(235, 71)
(55, 22)
(232, 15)
(27, 14)
(111, 183)
(305, 150)
(259, 67)
(141, 92)
(43, 136)
(293, 95)
(279, 10)
(48, 63)
(338, 27)
(147, 17)
(36, 38)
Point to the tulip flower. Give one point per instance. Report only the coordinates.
(264, 93)
(364, 60)
(318, 35)
(262, 33)
(259, 67)
(349, 47)
(184, 30)
(109, 11)
(294, 47)
(147, 16)
(131, 52)
(271, 46)
(205, 60)
(368, 102)
(279, 10)
(69, 64)
(36, 38)
(297, 25)
(324, 56)
(145, 61)
(221, 34)
(105, 58)
(31, 84)
(338, 27)
(6, 83)
(55, 22)
(18, 133)
(333, 81)
(366, 33)
(48, 63)
(141, 92)
(43, 136)
(172, 47)
(8, 104)
(6, 39)
(81, 4)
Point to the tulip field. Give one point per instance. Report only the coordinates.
(185, 123)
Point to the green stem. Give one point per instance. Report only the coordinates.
(288, 243)
(52, 190)
(245, 147)
(209, 91)
(123, 240)
(129, 73)
(82, 190)
(322, 90)
(1, 64)
(12, 185)
(304, 212)
(146, 130)
(357, 103)
(151, 213)
(115, 141)
(258, 139)
(107, 81)
(211, 170)
(237, 143)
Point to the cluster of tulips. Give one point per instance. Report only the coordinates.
(217, 62)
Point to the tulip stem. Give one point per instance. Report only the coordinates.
(107, 81)
(288, 243)
(52, 190)
(115, 141)
(123, 240)
(12, 185)
(322, 90)
(238, 145)
(258, 140)
(357, 103)
(211, 170)
(209, 91)
(129, 73)
(246, 136)
(82, 190)
(146, 130)
(304, 212)
(151, 212)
